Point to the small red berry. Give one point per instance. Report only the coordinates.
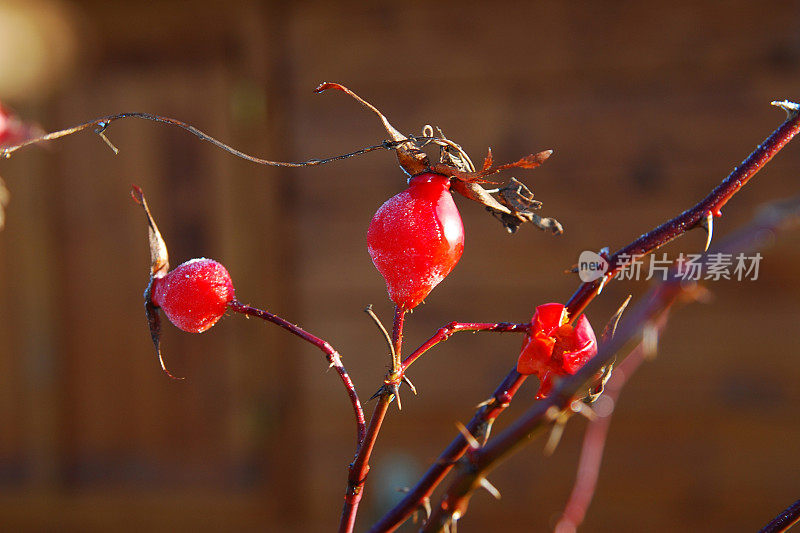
(194, 295)
(416, 238)
(553, 347)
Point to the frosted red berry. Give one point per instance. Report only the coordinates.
(194, 295)
(553, 347)
(416, 238)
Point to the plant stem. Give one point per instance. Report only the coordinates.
(651, 312)
(360, 466)
(332, 355)
(692, 218)
(445, 332)
(479, 426)
(357, 475)
(785, 520)
(397, 338)
(583, 296)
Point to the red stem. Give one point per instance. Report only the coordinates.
(691, 218)
(357, 475)
(769, 219)
(594, 441)
(445, 332)
(332, 355)
(477, 426)
(581, 298)
(397, 337)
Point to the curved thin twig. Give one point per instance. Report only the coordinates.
(102, 123)
(334, 359)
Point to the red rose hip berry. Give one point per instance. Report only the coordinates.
(194, 295)
(554, 347)
(416, 238)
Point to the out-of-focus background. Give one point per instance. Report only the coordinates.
(647, 106)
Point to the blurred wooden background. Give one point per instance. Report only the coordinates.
(647, 106)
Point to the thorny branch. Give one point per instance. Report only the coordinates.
(514, 207)
(701, 215)
(645, 317)
(480, 424)
(774, 216)
(357, 473)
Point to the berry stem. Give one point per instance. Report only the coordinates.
(586, 292)
(357, 475)
(445, 332)
(332, 355)
(397, 338)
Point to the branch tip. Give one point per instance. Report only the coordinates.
(379, 324)
(791, 108)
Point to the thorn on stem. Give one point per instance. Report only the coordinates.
(650, 341)
(579, 407)
(379, 392)
(556, 433)
(491, 489)
(411, 385)
(101, 132)
(396, 394)
(611, 327)
(484, 403)
(603, 282)
(708, 225)
(471, 440)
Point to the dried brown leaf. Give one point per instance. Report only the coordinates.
(159, 258)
